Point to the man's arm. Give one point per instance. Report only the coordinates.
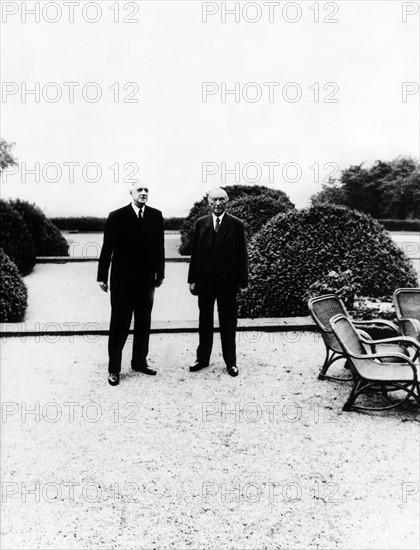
(192, 271)
(242, 258)
(106, 254)
(160, 272)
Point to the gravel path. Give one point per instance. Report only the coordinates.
(160, 462)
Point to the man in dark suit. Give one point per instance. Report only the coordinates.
(218, 269)
(134, 243)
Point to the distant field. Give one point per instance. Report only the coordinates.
(410, 244)
(88, 245)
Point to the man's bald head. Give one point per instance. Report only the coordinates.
(218, 199)
(140, 194)
(218, 192)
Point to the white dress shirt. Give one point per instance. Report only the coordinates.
(214, 219)
(137, 209)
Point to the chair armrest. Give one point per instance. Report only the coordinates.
(403, 358)
(383, 322)
(364, 335)
(406, 340)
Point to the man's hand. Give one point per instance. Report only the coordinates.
(192, 289)
(158, 282)
(104, 287)
(243, 290)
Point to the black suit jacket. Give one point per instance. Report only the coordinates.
(219, 262)
(135, 248)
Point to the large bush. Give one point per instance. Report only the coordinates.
(296, 249)
(201, 208)
(16, 239)
(257, 211)
(48, 239)
(13, 293)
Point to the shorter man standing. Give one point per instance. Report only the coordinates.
(134, 243)
(218, 269)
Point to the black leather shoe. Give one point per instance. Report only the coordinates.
(198, 366)
(145, 370)
(233, 370)
(113, 379)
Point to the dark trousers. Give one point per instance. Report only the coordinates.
(226, 305)
(123, 304)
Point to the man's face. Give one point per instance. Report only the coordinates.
(217, 202)
(140, 195)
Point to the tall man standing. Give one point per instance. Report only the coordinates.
(134, 243)
(218, 269)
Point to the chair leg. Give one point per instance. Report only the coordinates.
(330, 358)
(326, 364)
(353, 394)
(410, 390)
(417, 395)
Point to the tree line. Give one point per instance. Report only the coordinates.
(385, 190)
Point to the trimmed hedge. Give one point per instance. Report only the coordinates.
(13, 292)
(296, 249)
(257, 211)
(173, 224)
(201, 208)
(16, 239)
(401, 225)
(48, 239)
(84, 223)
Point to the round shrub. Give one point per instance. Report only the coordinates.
(48, 239)
(257, 211)
(16, 239)
(13, 292)
(201, 208)
(296, 249)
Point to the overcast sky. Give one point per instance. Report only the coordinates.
(155, 107)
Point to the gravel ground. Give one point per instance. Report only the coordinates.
(199, 460)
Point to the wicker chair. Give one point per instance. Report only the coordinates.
(322, 308)
(373, 371)
(407, 307)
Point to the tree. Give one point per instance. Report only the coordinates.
(6, 157)
(388, 189)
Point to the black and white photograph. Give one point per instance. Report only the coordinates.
(210, 275)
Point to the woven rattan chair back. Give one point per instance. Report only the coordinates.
(407, 308)
(407, 303)
(322, 309)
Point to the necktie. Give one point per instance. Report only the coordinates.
(140, 214)
(217, 227)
